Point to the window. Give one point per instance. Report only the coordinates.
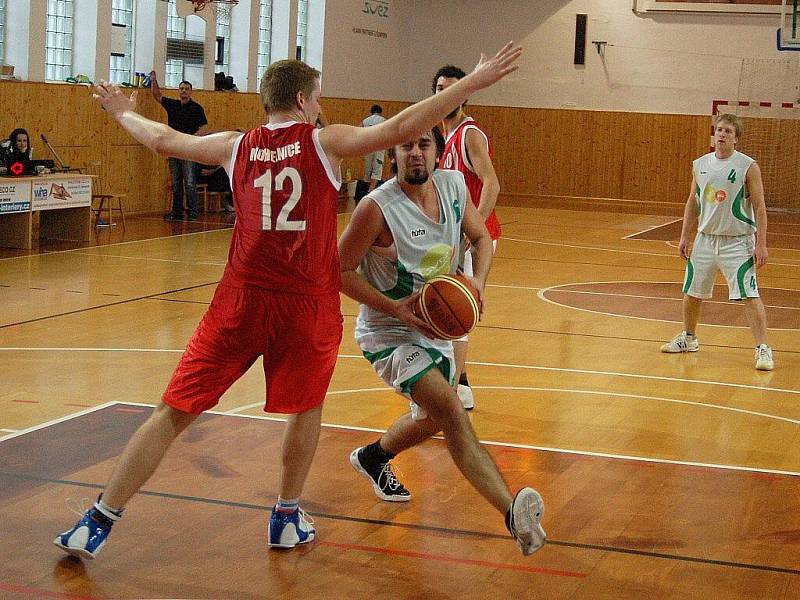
(223, 37)
(2, 30)
(302, 28)
(58, 48)
(121, 62)
(176, 29)
(264, 36)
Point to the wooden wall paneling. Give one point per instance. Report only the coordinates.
(658, 153)
(554, 152)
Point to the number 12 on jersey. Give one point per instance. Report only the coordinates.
(265, 182)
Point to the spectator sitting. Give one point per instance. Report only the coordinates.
(224, 83)
(217, 180)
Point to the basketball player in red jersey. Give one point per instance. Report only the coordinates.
(468, 149)
(279, 295)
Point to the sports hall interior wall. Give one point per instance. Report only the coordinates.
(539, 153)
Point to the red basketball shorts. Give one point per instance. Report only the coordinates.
(297, 335)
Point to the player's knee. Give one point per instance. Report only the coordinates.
(178, 420)
(445, 408)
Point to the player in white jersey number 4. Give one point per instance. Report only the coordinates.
(727, 202)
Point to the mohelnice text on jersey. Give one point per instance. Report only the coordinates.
(282, 153)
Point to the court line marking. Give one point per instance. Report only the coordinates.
(555, 450)
(651, 229)
(620, 251)
(168, 260)
(542, 291)
(421, 527)
(239, 409)
(58, 420)
(418, 526)
(451, 559)
(165, 237)
(743, 386)
(729, 302)
(100, 306)
(478, 363)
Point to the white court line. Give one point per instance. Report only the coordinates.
(542, 291)
(651, 229)
(169, 260)
(155, 239)
(240, 409)
(513, 287)
(730, 302)
(79, 413)
(643, 459)
(619, 251)
(470, 362)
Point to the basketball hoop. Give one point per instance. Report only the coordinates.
(201, 4)
(185, 7)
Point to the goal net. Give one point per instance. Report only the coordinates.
(768, 105)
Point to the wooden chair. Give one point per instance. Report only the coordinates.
(202, 192)
(105, 198)
(202, 195)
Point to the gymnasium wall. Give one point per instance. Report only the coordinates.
(538, 152)
(667, 63)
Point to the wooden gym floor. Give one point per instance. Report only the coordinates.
(663, 476)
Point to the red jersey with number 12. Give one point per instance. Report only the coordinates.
(455, 157)
(285, 191)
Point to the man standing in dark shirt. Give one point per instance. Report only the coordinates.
(187, 116)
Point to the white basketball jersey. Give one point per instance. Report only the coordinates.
(722, 200)
(422, 249)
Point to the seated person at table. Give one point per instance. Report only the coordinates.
(20, 145)
(217, 180)
(16, 149)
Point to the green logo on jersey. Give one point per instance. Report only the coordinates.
(457, 210)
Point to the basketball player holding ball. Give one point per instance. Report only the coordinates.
(400, 235)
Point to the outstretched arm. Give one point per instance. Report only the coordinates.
(154, 89)
(341, 141)
(212, 149)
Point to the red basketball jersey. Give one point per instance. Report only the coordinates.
(455, 157)
(285, 191)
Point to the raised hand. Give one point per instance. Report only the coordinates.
(113, 100)
(491, 70)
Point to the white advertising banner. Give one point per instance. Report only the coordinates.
(15, 196)
(51, 193)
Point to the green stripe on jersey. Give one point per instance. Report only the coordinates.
(740, 276)
(689, 276)
(374, 357)
(736, 209)
(404, 286)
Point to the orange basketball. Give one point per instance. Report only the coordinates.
(449, 305)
